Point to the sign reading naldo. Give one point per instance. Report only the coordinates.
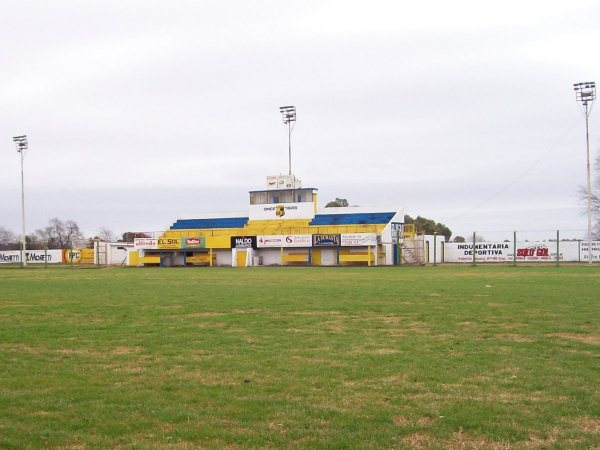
(243, 242)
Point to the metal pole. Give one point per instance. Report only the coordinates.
(474, 235)
(557, 247)
(398, 251)
(434, 248)
(45, 254)
(23, 241)
(514, 248)
(589, 185)
(290, 146)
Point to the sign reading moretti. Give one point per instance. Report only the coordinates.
(326, 240)
(243, 241)
(32, 256)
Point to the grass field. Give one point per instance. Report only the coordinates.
(434, 357)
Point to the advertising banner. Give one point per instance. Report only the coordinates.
(397, 230)
(504, 251)
(145, 243)
(583, 247)
(243, 242)
(283, 211)
(169, 243)
(283, 240)
(79, 256)
(193, 242)
(358, 239)
(326, 240)
(32, 256)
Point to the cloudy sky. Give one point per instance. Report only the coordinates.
(140, 112)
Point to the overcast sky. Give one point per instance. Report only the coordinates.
(141, 112)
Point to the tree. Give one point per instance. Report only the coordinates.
(106, 235)
(459, 239)
(129, 236)
(428, 226)
(595, 199)
(59, 234)
(337, 203)
(8, 240)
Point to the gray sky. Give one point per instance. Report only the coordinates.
(140, 112)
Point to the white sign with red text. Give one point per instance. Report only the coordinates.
(284, 240)
(358, 239)
(145, 243)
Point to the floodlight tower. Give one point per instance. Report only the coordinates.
(21, 143)
(586, 94)
(288, 114)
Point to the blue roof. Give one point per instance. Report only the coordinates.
(224, 222)
(353, 218)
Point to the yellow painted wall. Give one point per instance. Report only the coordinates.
(218, 241)
(134, 258)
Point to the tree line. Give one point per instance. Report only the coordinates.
(60, 234)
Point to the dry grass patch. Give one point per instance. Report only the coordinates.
(589, 425)
(592, 339)
(513, 337)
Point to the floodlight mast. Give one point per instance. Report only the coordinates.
(585, 93)
(21, 144)
(288, 114)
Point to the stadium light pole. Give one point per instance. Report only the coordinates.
(288, 114)
(21, 143)
(585, 93)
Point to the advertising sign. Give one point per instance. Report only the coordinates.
(326, 240)
(243, 242)
(584, 245)
(282, 211)
(283, 240)
(169, 243)
(358, 239)
(145, 243)
(397, 230)
(504, 251)
(193, 242)
(79, 256)
(32, 256)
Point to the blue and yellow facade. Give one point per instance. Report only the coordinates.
(283, 227)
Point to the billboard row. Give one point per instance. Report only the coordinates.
(525, 251)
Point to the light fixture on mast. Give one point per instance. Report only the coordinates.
(21, 144)
(585, 93)
(288, 114)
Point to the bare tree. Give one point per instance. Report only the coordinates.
(106, 234)
(583, 196)
(8, 240)
(60, 234)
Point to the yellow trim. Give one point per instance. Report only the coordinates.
(409, 230)
(150, 260)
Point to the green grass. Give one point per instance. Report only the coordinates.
(435, 357)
